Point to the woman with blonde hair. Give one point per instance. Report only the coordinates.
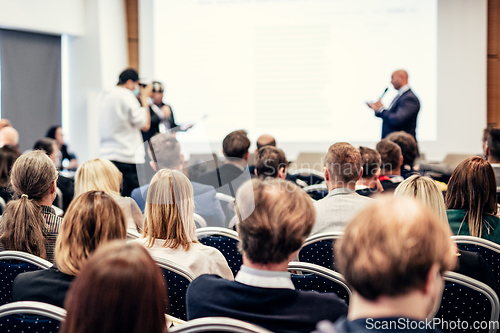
(103, 175)
(120, 290)
(93, 218)
(169, 228)
(29, 224)
(426, 191)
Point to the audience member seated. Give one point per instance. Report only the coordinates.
(8, 155)
(426, 191)
(120, 290)
(262, 141)
(390, 173)
(234, 172)
(103, 175)
(342, 170)
(165, 150)
(270, 162)
(472, 202)
(277, 216)
(9, 136)
(170, 231)
(369, 183)
(65, 184)
(492, 153)
(409, 150)
(55, 132)
(93, 218)
(29, 224)
(393, 254)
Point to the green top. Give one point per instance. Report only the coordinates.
(456, 216)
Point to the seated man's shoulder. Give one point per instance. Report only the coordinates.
(199, 188)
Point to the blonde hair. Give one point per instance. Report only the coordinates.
(32, 176)
(390, 246)
(98, 175)
(93, 218)
(426, 191)
(170, 209)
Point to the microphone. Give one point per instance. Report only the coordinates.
(384, 93)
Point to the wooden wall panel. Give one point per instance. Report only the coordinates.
(493, 75)
(132, 9)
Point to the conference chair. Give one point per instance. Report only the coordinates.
(227, 203)
(224, 240)
(469, 301)
(199, 221)
(318, 249)
(317, 192)
(30, 317)
(307, 176)
(178, 279)
(13, 263)
(488, 250)
(217, 324)
(306, 276)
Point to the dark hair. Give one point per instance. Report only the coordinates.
(45, 144)
(8, 155)
(236, 144)
(473, 187)
(269, 161)
(32, 176)
(390, 153)
(343, 161)
(51, 133)
(165, 151)
(158, 86)
(120, 290)
(370, 161)
(128, 74)
(408, 146)
(494, 143)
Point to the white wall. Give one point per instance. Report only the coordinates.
(46, 16)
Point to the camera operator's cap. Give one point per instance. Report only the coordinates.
(158, 87)
(128, 74)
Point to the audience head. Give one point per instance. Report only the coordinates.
(9, 136)
(486, 135)
(120, 290)
(271, 162)
(492, 150)
(391, 156)
(276, 217)
(342, 165)
(49, 146)
(33, 179)
(98, 175)
(235, 146)
(4, 123)
(169, 210)
(55, 132)
(157, 94)
(408, 146)
(370, 161)
(129, 79)
(265, 140)
(473, 187)
(393, 248)
(399, 78)
(8, 155)
(425, 191)
(93, 218)
(165, 150)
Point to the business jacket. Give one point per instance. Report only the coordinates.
(336, 209)
(402, 115)
(226, 179)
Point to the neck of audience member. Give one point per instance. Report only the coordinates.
(493, 160)
(279, 267)
(47, 200)
(412, 305)
(341, 184)
(391, 172)
(371, 182)
(241, 162)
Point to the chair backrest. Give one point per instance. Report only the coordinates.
(227, 204)
(317, 192)
(199, 221)
(488, 250)
(226, 241)
(306, 276)
(310, 176)
(217, 324)
(2, 205)
(468, 301)
(13, 263)
(318, 249)
(59, 198)
(177, 279)
(31, 317)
